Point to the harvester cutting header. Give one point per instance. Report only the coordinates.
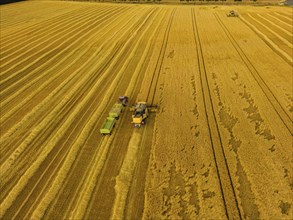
(140, 112)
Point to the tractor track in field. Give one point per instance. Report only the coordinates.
(155, 77)
(77, 158)
(225, 180)
(283, 115)
(121, 45)
(27, 101)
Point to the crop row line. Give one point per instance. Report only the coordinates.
(62, 86)
(284, 16)
(48, 47)
(43, 86)
(279, 20)
(44, 35)
(285, 41)
(269, 42)
(276, 25)
(13, 32)
(30, 79)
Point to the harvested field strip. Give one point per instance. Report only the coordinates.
(118, 149)
(81, 139)
(285, 41)
(279, 20)
(85, 194)
(61, 85)
(11, 35)
(79, 207)
(29, 11)
(270, 43)
(95, 114)
(65, 84)
(36, 92)
(124, 179)
(84, 80)
(262, 84)
(226, 184)
(57, 44)
(277, 26)
(49, 26)
(43, 35)
(224, 94)
(56, 60)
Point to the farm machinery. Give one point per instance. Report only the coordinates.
(232, 13)
(114, 114)
(140, 112)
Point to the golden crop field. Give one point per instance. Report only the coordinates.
(219, 146)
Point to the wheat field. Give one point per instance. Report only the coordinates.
(219, 147)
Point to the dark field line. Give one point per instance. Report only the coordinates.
(226, 185)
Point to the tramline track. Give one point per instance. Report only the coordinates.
(225, 180)
(287, 121)
(155, 78)
(138, 22)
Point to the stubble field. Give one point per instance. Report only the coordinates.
(219, 147)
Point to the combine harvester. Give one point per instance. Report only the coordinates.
(232, 13)
(114, 114)
(140, 112)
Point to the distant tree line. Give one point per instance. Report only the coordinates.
(204, 0)
(2, 2)
(136, 1)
